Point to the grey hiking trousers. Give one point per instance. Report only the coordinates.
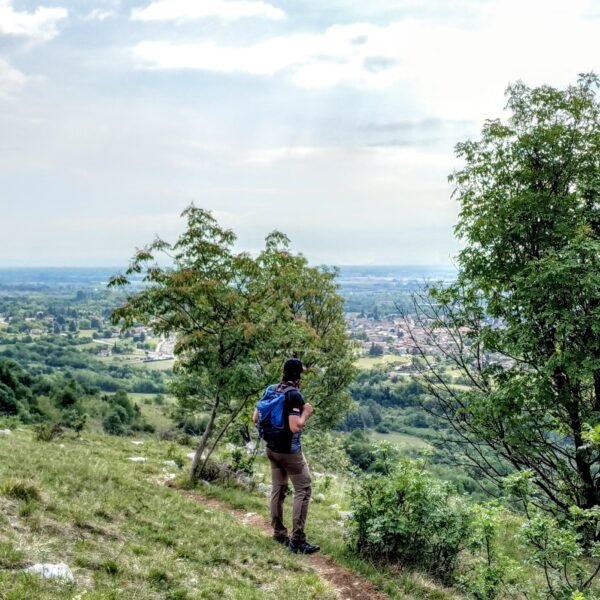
(292, 467)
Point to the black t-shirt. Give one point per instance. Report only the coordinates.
(288, 442)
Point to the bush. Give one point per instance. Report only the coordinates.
(113, 425)
(47, 432)
(409, 518)
(326, 451)
(193, 425)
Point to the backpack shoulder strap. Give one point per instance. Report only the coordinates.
(287, 389)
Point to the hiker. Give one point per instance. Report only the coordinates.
(281, 430)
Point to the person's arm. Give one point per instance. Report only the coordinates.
(297, 420)
(255, 417)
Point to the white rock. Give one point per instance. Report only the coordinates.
(49, 571)
(191, 455)
(250, 447)
(318, 475)
(319, 497)
(264, 489)
(62, 446)
(5, 432)
(345, 514)
(334, 506)
(137, 459)
(137, 443)
(170, 463)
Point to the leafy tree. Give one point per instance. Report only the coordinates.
(522, 321)
(15, 392)
(375, 350)
(236, 318)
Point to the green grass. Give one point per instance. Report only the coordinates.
(153, 413)
(87, 333)
(402, 440)
(124, 534)
(326, 527)
(157, 365)
(369, 362)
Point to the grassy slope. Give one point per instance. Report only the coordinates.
(123, 534)
(325, 526)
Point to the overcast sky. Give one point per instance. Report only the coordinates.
(331, 120)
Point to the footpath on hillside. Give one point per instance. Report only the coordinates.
(346, 584)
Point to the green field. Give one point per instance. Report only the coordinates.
(369, 362)
(153, 413)
(87, 333)
(157, 365)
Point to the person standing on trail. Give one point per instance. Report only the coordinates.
(280, 417)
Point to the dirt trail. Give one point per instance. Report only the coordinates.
(346, 584)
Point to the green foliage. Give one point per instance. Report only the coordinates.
(524, 312)
(360, 450)
(123, 417)
(241, 461)
(237, 318)
(325, 451)
(491, 573)
(408, 517)
(47, 432)
(15, 393)
(562, 546)
(375, 350)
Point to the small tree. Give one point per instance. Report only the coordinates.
(236, 318)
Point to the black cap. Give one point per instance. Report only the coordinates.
(292, 369)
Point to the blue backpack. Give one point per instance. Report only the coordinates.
(270, 422)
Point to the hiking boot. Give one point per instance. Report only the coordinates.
(284, 540)
(302, 547)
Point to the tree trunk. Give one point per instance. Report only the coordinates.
(569, 399)
(197, 464)
(231, 419)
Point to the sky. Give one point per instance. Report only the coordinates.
(333, 121)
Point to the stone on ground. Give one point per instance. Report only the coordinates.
(50, 571)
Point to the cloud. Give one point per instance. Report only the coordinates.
(99, 14)
(188, 10)
(40, 24)
(450, 71)
(11, 79)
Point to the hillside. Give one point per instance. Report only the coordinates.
(81, 502)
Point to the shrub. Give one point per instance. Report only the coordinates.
(241, 462)
(326, 451)
(409, 518)
(490, 573)
(193, 425)
(113, 424)
(74, 419)
(47, 432)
